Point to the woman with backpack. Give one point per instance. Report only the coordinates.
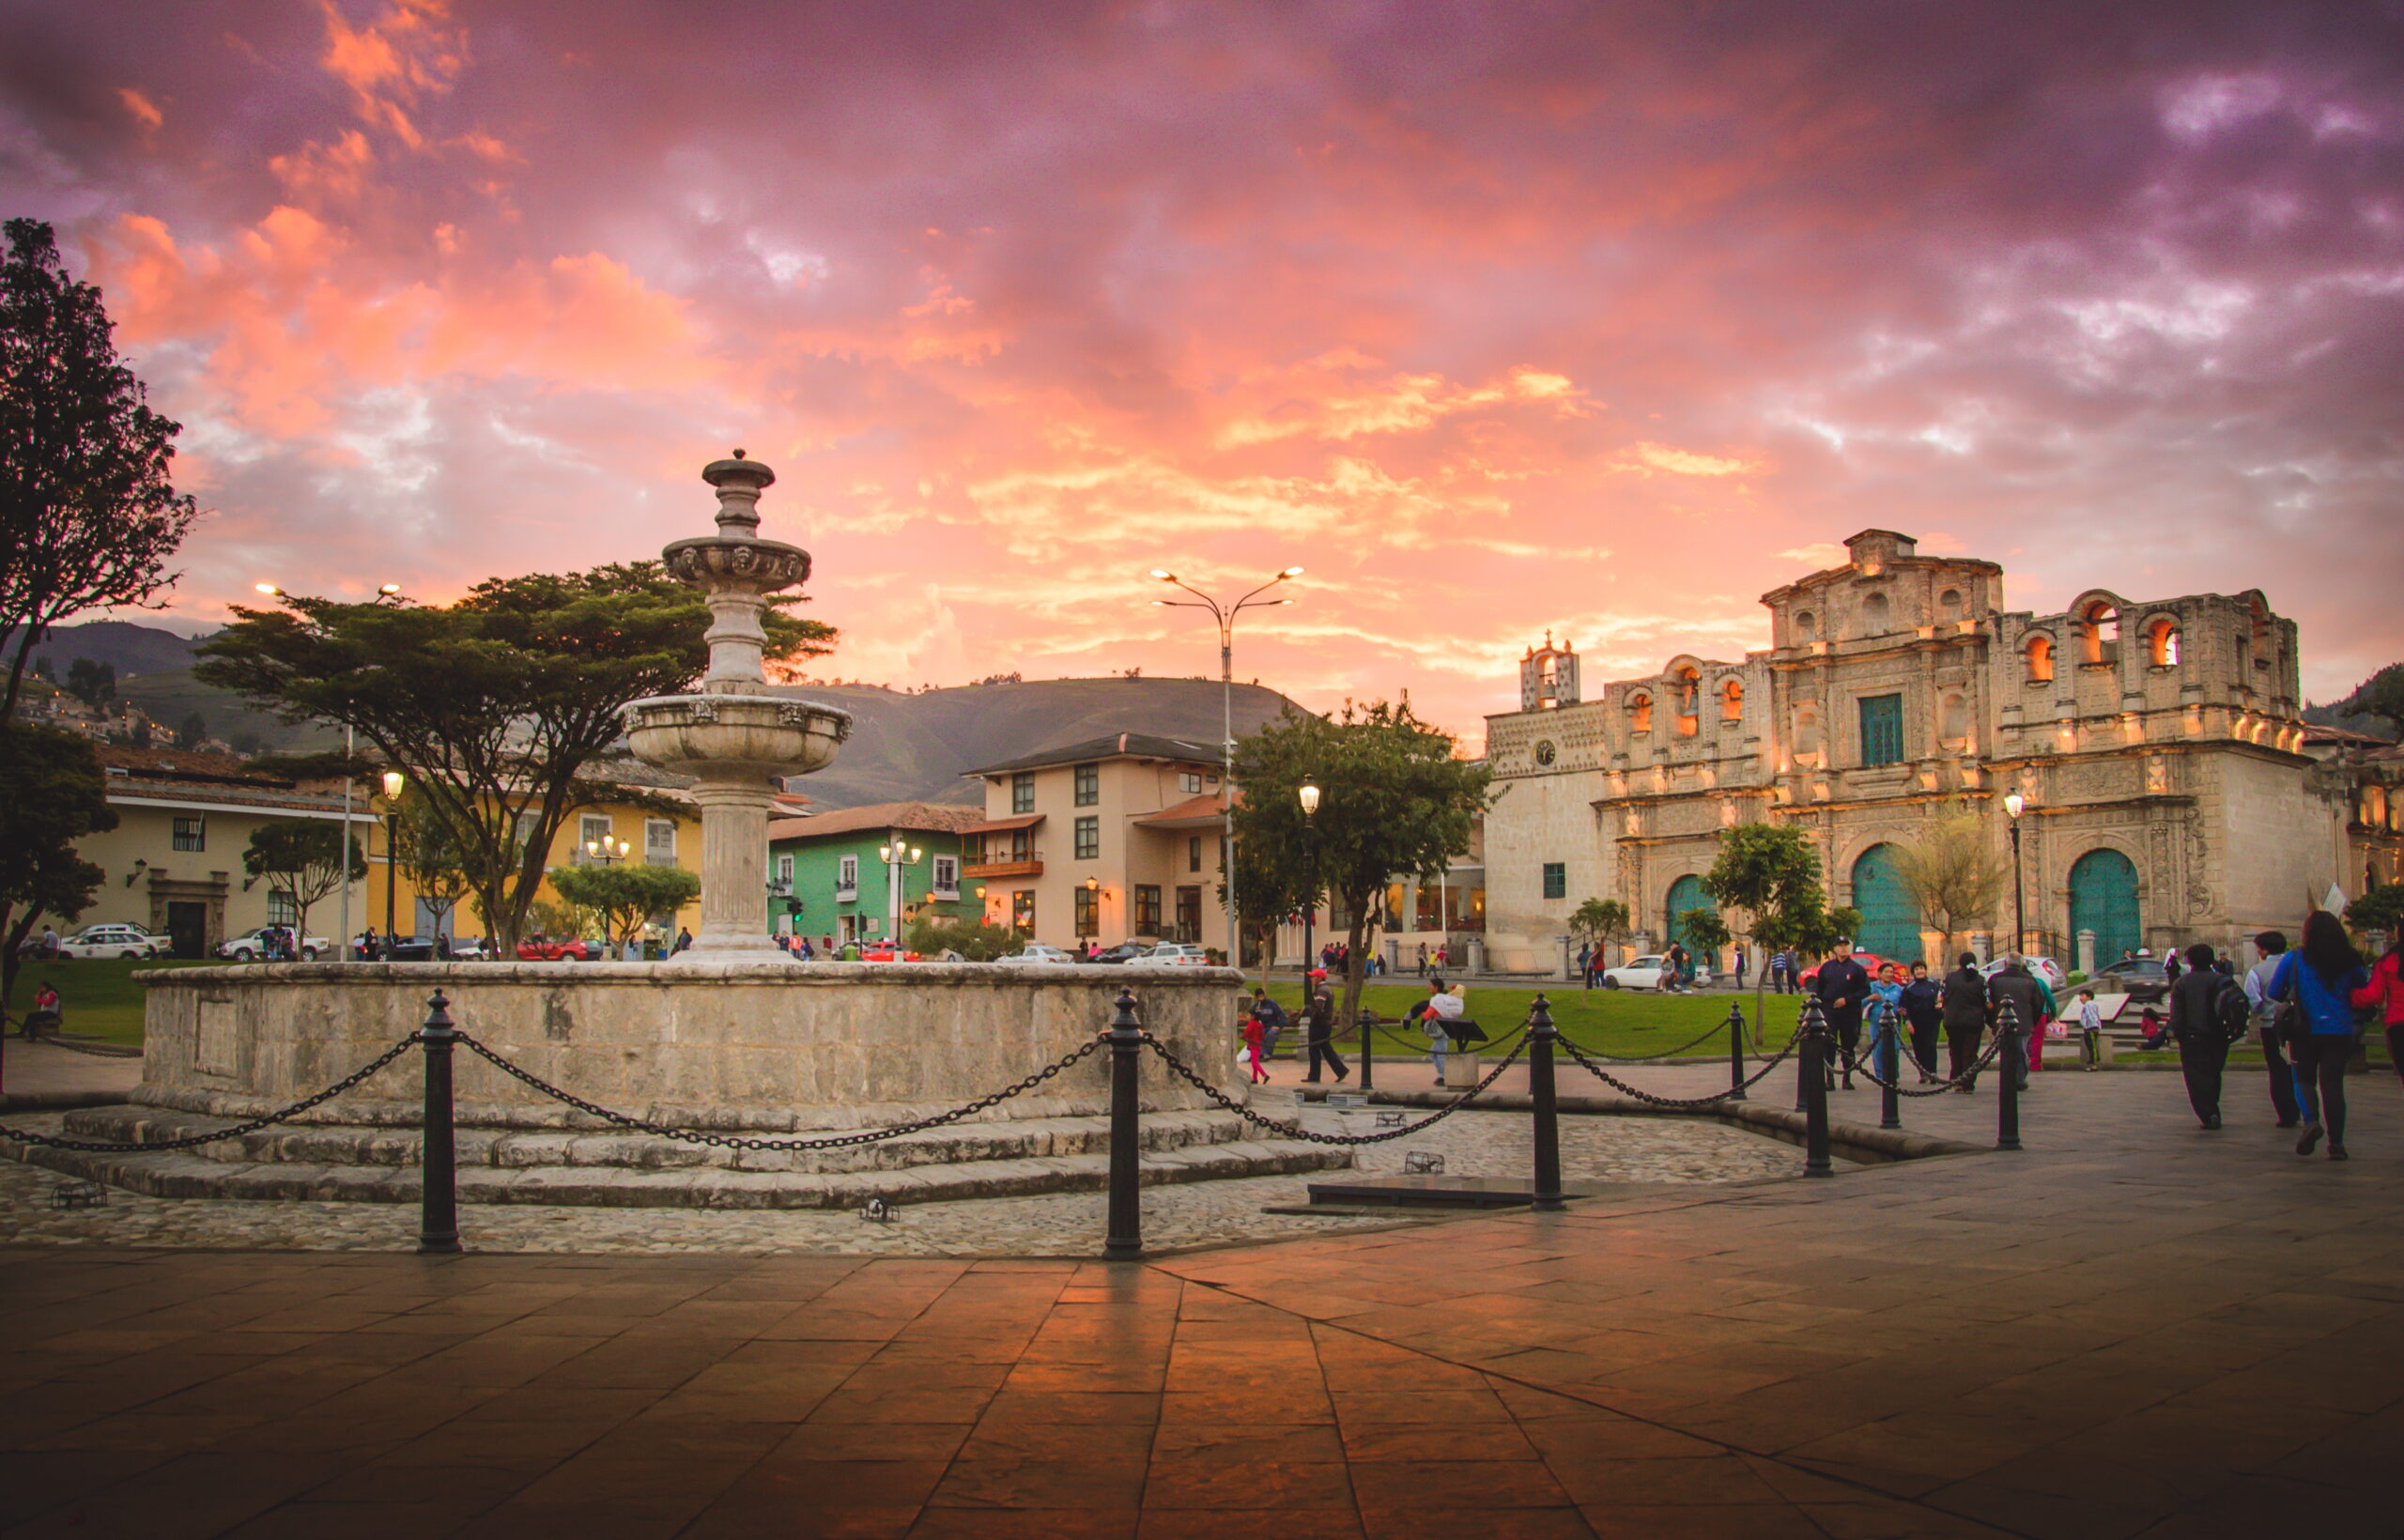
(2314, 986)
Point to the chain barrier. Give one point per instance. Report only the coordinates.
(1295, 1131)
(96, 1047)
(1861, 1065)
(282, 1115)
(1718, 1029)
(738, 1141)
(1615, 1082)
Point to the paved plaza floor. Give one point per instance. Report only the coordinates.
(2132, 1328)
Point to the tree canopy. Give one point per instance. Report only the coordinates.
(1395, 801)
(494, 706)
(52, 795)
(1771, 872)
(89, 516)
(1952, 873)
(1599, 922)
(625, 895)
(304, 860)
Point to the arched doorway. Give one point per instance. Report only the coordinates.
(2104, 899)
(1890, 919)
(1685, 894)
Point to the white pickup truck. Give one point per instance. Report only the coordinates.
(113, 941)
(251, 944)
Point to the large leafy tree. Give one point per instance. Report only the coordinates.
(89, 516)
(1771, 872)
(1394, 800)
(304, 860)
(52, 795)
(493, 706)
(624, 896)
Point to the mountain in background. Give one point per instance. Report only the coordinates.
(903, 748)
(915, 747)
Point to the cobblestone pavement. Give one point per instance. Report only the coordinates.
(1064, 1224)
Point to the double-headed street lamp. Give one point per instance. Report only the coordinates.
(896, 857)
(608, 850)
(1226, 615)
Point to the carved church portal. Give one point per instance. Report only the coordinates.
(1889, 919)
(2104, 899)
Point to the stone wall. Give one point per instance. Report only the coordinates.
(760, 1046)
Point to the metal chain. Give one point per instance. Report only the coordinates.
(1861, 1065)
(1295, 1131)
(93, 1046)
(737, 1140)
(1717, 1029)
(1611, 1080)
(283, 1114)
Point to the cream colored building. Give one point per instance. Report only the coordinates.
(2157, 742)
(1110, 839)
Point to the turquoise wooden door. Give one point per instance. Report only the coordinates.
(1685, 894)
(1889, 919)
(2104, 899)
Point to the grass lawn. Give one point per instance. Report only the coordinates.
(1625, 1022)
(97, 996)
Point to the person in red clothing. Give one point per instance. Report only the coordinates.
(2385, 992)
(1255, 1036)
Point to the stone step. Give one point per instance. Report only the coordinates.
(336, 1144)
(184, 1176)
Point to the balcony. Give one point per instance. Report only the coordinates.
(1016, 863)
(847, 892)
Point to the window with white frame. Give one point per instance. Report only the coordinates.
(192, 833)
(847, 874)
(784, 871)
(946, 876)
(659, 841)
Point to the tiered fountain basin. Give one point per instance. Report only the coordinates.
(751, 736)
(780, 1048)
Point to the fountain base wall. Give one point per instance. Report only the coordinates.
(764, 1047)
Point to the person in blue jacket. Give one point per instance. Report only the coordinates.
(2320, 978)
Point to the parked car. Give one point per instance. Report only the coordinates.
(110, 941)
(1637, 972)
(886, 951)
(542, 948)
(1038, 956)
(2141, 978)
(2044, 969)
(1172, 954)
(1126, 951)
(251, 944)
(1871, 964)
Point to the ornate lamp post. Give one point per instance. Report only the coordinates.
(1226, 615)
(896, 857)
(608, 850)
(393, 781)
(1309, 795)
(2016, 805)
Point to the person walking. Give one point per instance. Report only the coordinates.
(2320, 979)
(1738, 963)
(2090, 1030)
(1586, 963)
(2013, 985)
(2290, 1099)
(1318, 1019)
(1423, 960)
(2197, 1024)
(1883, 1015)
(1842, 987)
(1271, 1017)
(2384, 994)
(1254, 1055)
(1962, 999)
(1924, 1010)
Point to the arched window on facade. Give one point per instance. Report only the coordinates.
(1949, 604)
(1953, 718)
(1687, 687)
(1807, 731)
(1806, 628)
(2040, 651)
(1732, 700)
(1640, 713)
(2162, 642)
(1877, 616)
(2099, 632)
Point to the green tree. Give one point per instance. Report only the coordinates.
(1600, 923)
(2382, 696)
(976, 940)
(1394, 800)
(94, 684)
(88, 514)
(493, 706)
(194, 732)
(303, 860)
(625, 895)
(2381, 909)
(52, 795)
(1703, 929)
(1952, 873)
(430, 855)
(1770, 872)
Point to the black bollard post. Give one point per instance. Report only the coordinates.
(1369, 1057)
(1735, 1052)
(1887, 1049)
(1802, 1060)
(438, 1230)
(1126, 1240)
(2012, 1060)
(1541, 1037)
(1815, 1093)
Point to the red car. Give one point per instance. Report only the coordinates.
(542, 949)
(1871, 963)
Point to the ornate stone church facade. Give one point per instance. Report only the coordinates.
(2172, 792)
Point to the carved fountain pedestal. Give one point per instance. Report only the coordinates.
(736, 740)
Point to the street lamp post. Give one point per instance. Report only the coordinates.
(1226, 615)
(2016, 805)
(1309, 795)
(896, 857)
(608, 850)
(392, 785)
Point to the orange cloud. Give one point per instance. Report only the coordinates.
(145, 111)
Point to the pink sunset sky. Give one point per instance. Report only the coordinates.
(1605, 319)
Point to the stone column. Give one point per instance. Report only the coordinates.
(734, 896)
(2086, 952)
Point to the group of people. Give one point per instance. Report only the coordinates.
(1902, 1008)
(1265, 1020)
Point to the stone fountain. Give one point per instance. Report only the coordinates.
(732, 737)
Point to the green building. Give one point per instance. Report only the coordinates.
(829, 874)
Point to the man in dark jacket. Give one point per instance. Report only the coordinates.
(2013, 984)
(2203, 1042)
(1923, 1008)
(1964, 1002)
(1842, 986)
(1319, 1025)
